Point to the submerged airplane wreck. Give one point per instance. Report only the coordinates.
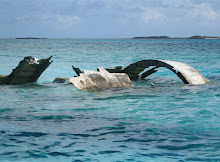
(28, 70)
(121, 77)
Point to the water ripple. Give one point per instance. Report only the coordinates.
(170, 121)
(29, 134)
(185, 147)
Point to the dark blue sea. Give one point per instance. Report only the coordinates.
(171, 121)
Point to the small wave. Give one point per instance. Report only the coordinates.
(109, 152)
(8, 153)
(113, 132)
(54, 117)
(59, 154)
(76, 135)
(140, 140)
(6, 110)
(122, 97)
(154, 155)
(29, 134)
(186, 147)
(35, 154)
(70, 145)
(52, 145)
(203, 159)
(80, 151)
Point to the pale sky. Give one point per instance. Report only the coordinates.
(108, 18)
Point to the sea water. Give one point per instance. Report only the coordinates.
(171, 121)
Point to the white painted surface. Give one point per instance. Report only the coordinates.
(93, 80)
(192, 75)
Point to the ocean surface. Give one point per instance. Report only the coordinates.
(46, 121)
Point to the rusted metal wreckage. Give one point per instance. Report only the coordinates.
(28, 70)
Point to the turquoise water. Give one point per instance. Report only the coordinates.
(47, 121)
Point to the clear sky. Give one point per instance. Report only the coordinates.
(108, 18)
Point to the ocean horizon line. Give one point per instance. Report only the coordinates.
(135, 37)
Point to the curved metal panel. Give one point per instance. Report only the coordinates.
(186, 73)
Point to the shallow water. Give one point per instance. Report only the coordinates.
(47, 121)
